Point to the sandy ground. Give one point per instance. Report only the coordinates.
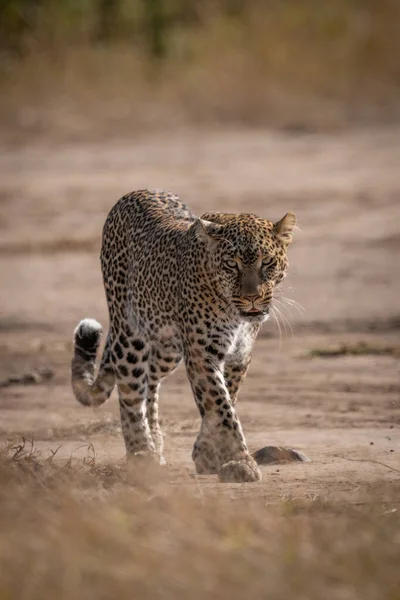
(342, 411)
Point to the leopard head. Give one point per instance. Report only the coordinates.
(246, 258)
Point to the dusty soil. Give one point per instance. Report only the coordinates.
(342, 411)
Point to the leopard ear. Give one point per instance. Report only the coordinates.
(283, 229)
(208, 229)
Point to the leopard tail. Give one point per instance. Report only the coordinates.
(90, 390)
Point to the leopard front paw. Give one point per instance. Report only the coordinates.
(205, 464)
(240, 471)
(205, 459)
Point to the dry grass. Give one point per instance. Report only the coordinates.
(82, 531)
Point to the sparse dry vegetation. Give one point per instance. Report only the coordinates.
(51, 246)
(82, 531)
(76, 68)
(358, 349)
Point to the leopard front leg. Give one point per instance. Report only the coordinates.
(220, 446)
(235, 373)
(204, 454)
(238, 360)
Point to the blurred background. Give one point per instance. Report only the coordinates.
(72, 67)
(264, 106)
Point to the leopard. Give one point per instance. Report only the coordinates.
(181, 288)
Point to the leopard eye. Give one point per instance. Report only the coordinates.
(268, 261)
(231, 264)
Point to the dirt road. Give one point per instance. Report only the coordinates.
(343, 411)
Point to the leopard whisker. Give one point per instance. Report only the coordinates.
(276, 319)
(286, 323)
(293, 303)
(286, 306)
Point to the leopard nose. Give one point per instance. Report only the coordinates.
(251, 297)
(249, 285)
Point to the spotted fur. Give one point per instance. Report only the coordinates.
(178, 288)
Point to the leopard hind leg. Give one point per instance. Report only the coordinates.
(163, 361)
(130, 358)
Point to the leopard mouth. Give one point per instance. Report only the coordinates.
(254, 312)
